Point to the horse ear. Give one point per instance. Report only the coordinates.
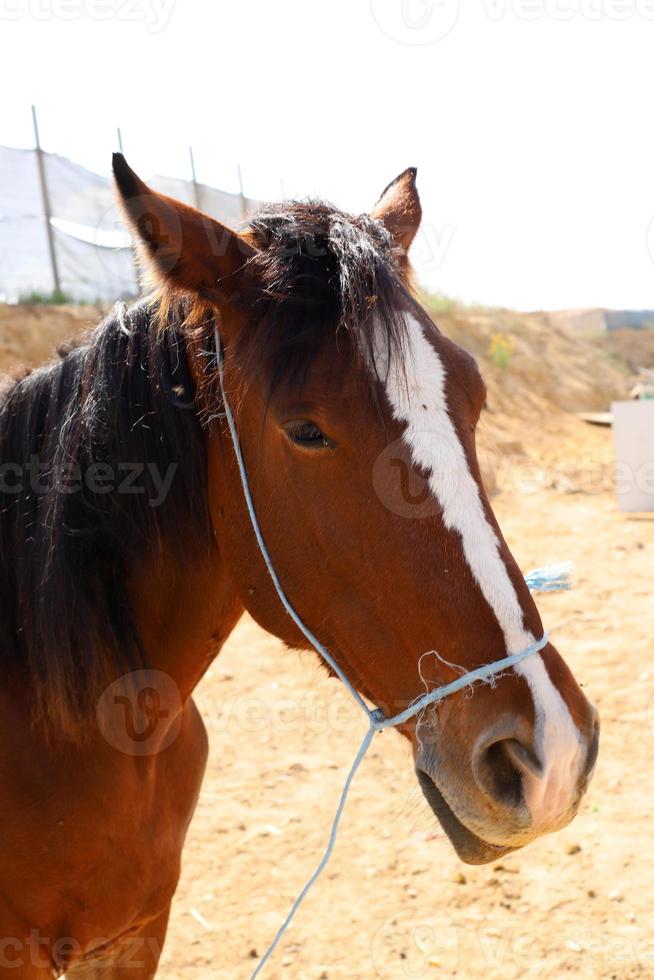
(182, 246)
(399, 208)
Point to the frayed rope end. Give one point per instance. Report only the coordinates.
(550, 578)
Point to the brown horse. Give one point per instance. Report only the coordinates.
(128, 557)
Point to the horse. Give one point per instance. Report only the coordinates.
(128, 556)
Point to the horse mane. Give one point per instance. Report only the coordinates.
(122, 397)
(65, 617)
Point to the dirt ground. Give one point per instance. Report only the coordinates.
(395, 902)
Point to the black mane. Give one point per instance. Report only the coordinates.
(67, 542)
(123, 398)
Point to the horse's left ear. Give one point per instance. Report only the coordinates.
(182, 247)
(399, 208)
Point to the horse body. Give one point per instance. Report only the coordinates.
(129, 557)
(74, 870)
(91, 844)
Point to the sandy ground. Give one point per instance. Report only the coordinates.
(395, 901)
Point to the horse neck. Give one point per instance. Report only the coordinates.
(184, 612)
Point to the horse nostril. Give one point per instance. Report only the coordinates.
(500, 768)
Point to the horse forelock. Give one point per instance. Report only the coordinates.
(319, 273)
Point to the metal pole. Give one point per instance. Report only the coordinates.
(46, 203)
(244, 208)
(135, 264)
(194, 179)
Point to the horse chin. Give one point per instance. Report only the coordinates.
(469, 847)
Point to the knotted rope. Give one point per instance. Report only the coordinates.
(547, 579)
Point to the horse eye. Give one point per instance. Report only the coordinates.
(307, 434)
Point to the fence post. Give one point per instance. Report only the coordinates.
(135, 262)
(244, 208)
(46, 203)
(194, 180)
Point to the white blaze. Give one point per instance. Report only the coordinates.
(416, 392)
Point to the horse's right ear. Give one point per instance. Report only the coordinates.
(181, 246)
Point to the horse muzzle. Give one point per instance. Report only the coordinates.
(509, 792)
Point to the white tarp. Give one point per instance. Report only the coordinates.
(633, 433)
(94, 257)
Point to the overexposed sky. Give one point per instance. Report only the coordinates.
(530, 121)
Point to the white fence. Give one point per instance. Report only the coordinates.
(93, 257)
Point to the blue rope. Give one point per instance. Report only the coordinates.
(551, 578)
(326, 856)
(546, 579)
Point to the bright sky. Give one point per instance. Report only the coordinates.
(530, 121)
